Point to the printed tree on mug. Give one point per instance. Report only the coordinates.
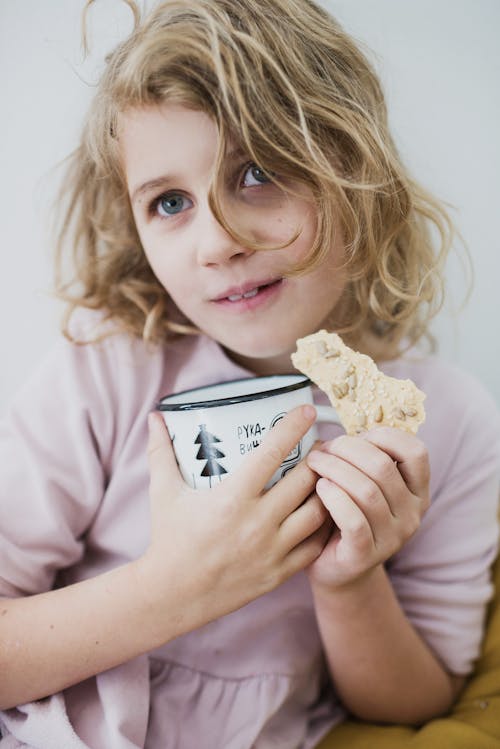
(209, 452)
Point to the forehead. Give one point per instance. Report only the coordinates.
(169, 125)
(166, 139)
(169, 139)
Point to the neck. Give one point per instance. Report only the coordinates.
(280, 364)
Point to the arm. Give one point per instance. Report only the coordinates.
(52, 640)
(376, 489)
(382, 669)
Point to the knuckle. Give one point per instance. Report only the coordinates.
(327, 490)
(317, 544)
(369, 494)
(419, 451)
(275, 455)
(410, 526)
(317, 510)
(343, 442)
(425, 503)
(328, 446)
(383, 467)
(153, 449)
(273, 579)
(360, 534)
(306, 478)
(420, 455)
(426, 471)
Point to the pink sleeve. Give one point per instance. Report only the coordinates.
(53, 468)
(442, 576)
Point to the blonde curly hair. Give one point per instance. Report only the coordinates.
(284, 80)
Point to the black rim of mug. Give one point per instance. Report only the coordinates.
(300, 382)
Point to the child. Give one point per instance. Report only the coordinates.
(236, 188)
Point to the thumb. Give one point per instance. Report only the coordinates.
(163, 467)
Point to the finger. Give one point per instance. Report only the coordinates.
(362, 489)
(354, 528)
(308, 550)
(304, 521)
(262, 463)
(291, 491)
(377, 465)
(409, 452)
(162, 461)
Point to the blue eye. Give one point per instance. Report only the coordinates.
(254, 175)
(170, 205)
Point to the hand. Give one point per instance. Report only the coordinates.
(220, 548)
(376, 489)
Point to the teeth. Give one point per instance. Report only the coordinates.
(248, 295)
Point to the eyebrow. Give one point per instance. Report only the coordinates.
(164, 179)
(149, 186)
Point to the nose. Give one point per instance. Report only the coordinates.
(215, 245)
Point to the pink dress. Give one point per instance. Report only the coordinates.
(74, 503)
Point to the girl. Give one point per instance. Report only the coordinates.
(236, 188)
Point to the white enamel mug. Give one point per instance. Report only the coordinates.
(212, 428)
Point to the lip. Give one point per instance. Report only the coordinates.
(268, 291)
(244, 289)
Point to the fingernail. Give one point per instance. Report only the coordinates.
(309, 412)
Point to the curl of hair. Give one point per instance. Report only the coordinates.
(291, 88)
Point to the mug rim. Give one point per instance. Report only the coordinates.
(301, 382)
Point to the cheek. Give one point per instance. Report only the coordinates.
(174, 279)
(304, 223)
(147, 243)
(280, 222)
(164, 264)
(329, 279)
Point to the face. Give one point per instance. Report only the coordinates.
(240, 297)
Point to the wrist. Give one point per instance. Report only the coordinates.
(171, 600)
(155, 598)
(352, 592)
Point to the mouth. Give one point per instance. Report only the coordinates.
(249, 295)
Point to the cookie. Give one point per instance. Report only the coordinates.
(361, 394)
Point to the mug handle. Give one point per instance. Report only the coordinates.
(327, 413)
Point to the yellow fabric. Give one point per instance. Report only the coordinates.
(473, 723)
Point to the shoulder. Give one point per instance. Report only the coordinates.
(96, 360)
(108, 375)
(90, 392)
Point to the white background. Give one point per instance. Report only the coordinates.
(440, 65)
